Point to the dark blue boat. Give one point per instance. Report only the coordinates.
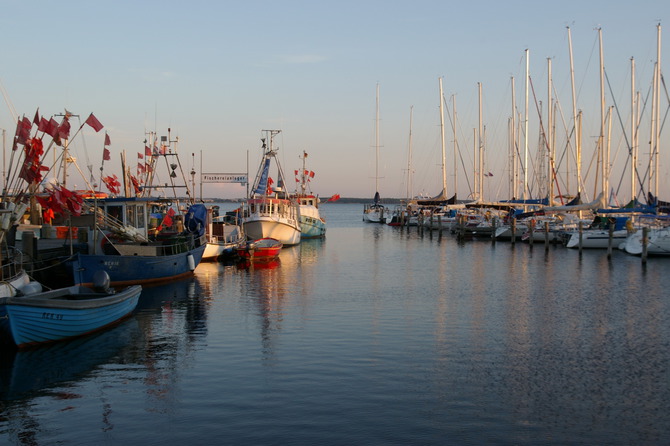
(139, 245)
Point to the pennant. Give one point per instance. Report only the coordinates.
(147, 151)
(140, 156)
(36, 119)
(94, 123)
(106, 155)
(108, 141)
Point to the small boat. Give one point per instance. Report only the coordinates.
(260, 250)
(312, 224)
(65, 313)
(224, 235)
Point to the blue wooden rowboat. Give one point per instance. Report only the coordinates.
(66, 313)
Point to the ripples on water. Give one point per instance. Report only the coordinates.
(371, 336)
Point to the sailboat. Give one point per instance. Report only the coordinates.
(374, 213)
(312, 224)
(270, 212)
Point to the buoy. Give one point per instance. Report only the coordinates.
(191, 262)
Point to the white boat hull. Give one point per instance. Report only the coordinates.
(658, 243)
(597, 239)
(287, 232)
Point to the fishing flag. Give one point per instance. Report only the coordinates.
(105, 154)
(107, 140)
(140, 156)
(333, 198)
(94, 123)
(147, 151)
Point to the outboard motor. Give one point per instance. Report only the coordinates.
(101, 282)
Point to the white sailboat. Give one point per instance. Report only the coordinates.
(374, 213)
(270, 211)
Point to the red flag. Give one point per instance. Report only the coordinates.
(105, 155)
(334, 198)
(140, 168)
(167, 221)
(140, 156)
(108, 141)
(171, 212)
(147, 151)
(52, 129)
(94, 123)
(43, 126)
(311, 174)
(36, 119)
(64, 129)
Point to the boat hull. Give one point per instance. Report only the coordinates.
(596, 239)
(260, 250)
(265, 227)
(130, 270)
(38, 319)
(658, 243)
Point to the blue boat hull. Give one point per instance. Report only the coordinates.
(130, 270)
(35, 320)
(312, 227)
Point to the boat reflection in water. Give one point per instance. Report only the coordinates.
(41, 368)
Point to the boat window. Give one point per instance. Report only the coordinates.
(115, 212)
(130, 215)
(140, 217)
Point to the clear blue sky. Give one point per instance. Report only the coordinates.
(218, 73)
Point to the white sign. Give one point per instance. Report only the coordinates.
(224, 178)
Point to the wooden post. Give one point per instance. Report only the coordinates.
(581, 233)
(546, 236)
(645, 242)
(513, 224)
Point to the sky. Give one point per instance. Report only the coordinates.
(218, 73)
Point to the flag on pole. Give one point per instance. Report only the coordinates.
(140, 156)
(94, 123)
(107, 140)
(106, 155)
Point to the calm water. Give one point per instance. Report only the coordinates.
(373, 336)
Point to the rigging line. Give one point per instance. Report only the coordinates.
(623, 130)
(8, 101)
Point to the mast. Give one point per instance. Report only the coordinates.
(633, 131)
(481, 146)
(409, 156)
(525, 143)
(574, 118)
(513, 144)
(550, 145)
(657, 135)
(444, 155)
(453, 100)
(377, 148)
(601, 136)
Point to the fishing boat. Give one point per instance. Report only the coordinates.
(374, 213)
(271, 211)
(312, 224)
(66, 313)
(223, 234)
(260, 250)
(140, 242)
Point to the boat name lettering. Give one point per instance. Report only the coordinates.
(111, 263)
(58, 317)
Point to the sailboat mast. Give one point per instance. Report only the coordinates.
(657, 136)
(633, 125)
(574, 117)
(377, 144)
(453, 100)
(409, 156)
(550, 145)
(601, 137)
(481, 145)
(444, 154)
(512, 148)
(525, 131)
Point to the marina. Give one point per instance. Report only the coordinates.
(372, 335)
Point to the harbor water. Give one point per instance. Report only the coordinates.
(375, 335)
